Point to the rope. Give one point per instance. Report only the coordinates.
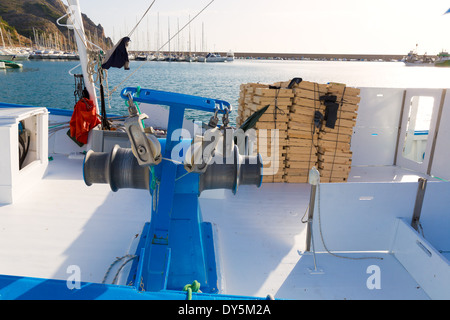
(155, 197)
(94, 57)
(337, 135)
(75, 30)
(121, 267)
(93, 64)
(275, 113)
(316, 95)
(154, 187)
(323, 241)
(194, 287)
(188, 23)
(184, 175)
(132, 31)
(130, 258)
(277, 110)
(173, 161)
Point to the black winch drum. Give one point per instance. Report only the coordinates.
(244, 170)
(119, 169)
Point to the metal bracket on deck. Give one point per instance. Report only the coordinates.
(415, 223)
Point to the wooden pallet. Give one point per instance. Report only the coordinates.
(300, 145)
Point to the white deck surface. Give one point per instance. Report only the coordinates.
(385, 174)
(61, 222)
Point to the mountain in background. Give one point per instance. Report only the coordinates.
(33, 23)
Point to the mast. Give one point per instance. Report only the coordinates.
(148, 37)
(178, 36)
(168, 29)
(157, 39)
(76, 22)
(203, 37)
(190, 54)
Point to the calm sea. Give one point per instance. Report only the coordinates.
(48, 83)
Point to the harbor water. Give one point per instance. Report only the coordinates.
(49, 84)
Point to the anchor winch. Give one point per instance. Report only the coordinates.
(176, 247)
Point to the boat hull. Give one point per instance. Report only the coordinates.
(11, 64)
(445, 63)
(418, 64)
(6, 57)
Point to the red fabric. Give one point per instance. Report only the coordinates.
(84, 119)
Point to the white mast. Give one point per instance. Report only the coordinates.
(190, 48)
(168, 30)
(178, 36)
(157, 39)
(75, 22)
(203, 37)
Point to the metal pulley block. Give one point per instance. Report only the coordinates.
(225, 118)
(200, 153)
(214, 121)
(146, 148)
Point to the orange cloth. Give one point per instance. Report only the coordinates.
(84, 119)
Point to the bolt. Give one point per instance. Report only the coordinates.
(141, 150)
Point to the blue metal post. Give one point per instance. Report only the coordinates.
(177, 239)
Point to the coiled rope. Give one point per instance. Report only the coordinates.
(194, 287)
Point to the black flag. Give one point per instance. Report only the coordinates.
(117, 57)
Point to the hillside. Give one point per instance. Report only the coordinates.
(19, 17)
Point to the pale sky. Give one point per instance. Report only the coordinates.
(285, 26)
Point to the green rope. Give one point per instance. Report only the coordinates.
(153, 181)
(194, 287)
(138, 93)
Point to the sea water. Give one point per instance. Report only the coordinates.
(49, 84)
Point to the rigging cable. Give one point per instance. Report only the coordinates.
(135, 27)
(313, 127)
(187, 24)
(337, 135)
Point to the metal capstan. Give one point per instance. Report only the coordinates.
(176, 246)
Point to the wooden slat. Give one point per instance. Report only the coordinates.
(271, 100)
(299, 179)
(300, 144)
(281, 93)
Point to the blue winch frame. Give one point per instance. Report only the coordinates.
(155, 241)
(176, 247)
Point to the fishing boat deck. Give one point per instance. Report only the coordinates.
(261, 236)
